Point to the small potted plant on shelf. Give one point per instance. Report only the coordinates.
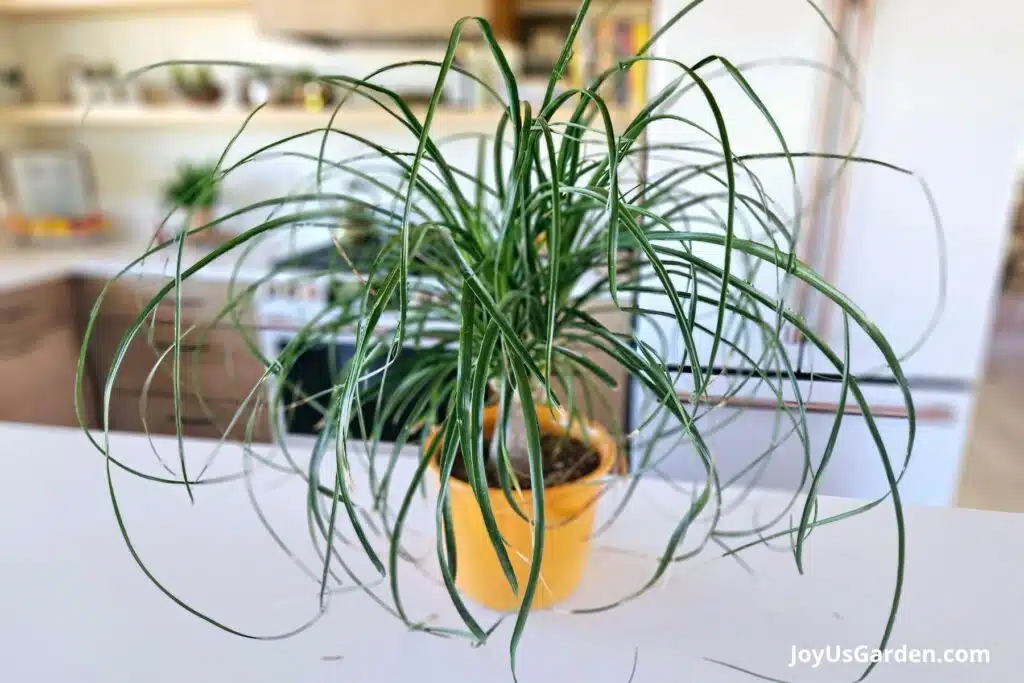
(495, 274)
(196, 84)
(195, 191)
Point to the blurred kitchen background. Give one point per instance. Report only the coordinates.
(82, 200)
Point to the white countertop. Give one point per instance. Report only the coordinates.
(24, 266)
(75, 607)
(248, 263)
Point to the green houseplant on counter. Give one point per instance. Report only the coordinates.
(194, 188)
(194, 191)
(497, 274)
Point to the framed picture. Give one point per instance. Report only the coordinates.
(49, 181)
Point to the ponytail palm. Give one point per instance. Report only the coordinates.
(495, 271)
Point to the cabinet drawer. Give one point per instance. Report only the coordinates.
(38, 380)
(204, 420)
(28, 312)
(200, 301)
(215, 361)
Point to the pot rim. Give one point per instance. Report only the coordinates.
(606, 451)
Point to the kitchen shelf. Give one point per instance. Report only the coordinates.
(59, 7)
(55, 116)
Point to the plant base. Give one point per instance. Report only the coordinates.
(201, 216)
(569, 512)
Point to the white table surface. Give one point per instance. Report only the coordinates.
(75, 607)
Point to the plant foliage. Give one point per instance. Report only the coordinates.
(498, 272)
(194, 186)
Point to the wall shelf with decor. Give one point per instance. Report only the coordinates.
(56, 116)
(58, 55)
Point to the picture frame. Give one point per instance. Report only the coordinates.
(49, 181)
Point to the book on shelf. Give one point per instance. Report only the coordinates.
(638, 72)
(613, 33)
(611, 39)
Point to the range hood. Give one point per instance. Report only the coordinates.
(365, 21)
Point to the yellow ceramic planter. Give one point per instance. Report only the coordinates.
(569, 511)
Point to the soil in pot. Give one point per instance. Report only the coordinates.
(566, 459)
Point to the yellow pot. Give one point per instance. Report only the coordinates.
(569, 511)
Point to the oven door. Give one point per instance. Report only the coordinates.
(306, 391)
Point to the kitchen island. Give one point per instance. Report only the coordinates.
(77, 608)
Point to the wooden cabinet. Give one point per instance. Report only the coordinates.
(366, 19)
(201, 301)
(39, 356)
(215, 362)
(199, 419)
(217, 373)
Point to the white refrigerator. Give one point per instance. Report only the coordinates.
(937, 91)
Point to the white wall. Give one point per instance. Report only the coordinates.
(955, 115)
(7, 52)
(942, 98)
(8, 55)
(131, 163)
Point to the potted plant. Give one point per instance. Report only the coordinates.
(195, 190)
(196, 84)
(492, 273)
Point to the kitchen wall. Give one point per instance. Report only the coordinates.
(8, 55)
(6, 42)
(132, 162)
